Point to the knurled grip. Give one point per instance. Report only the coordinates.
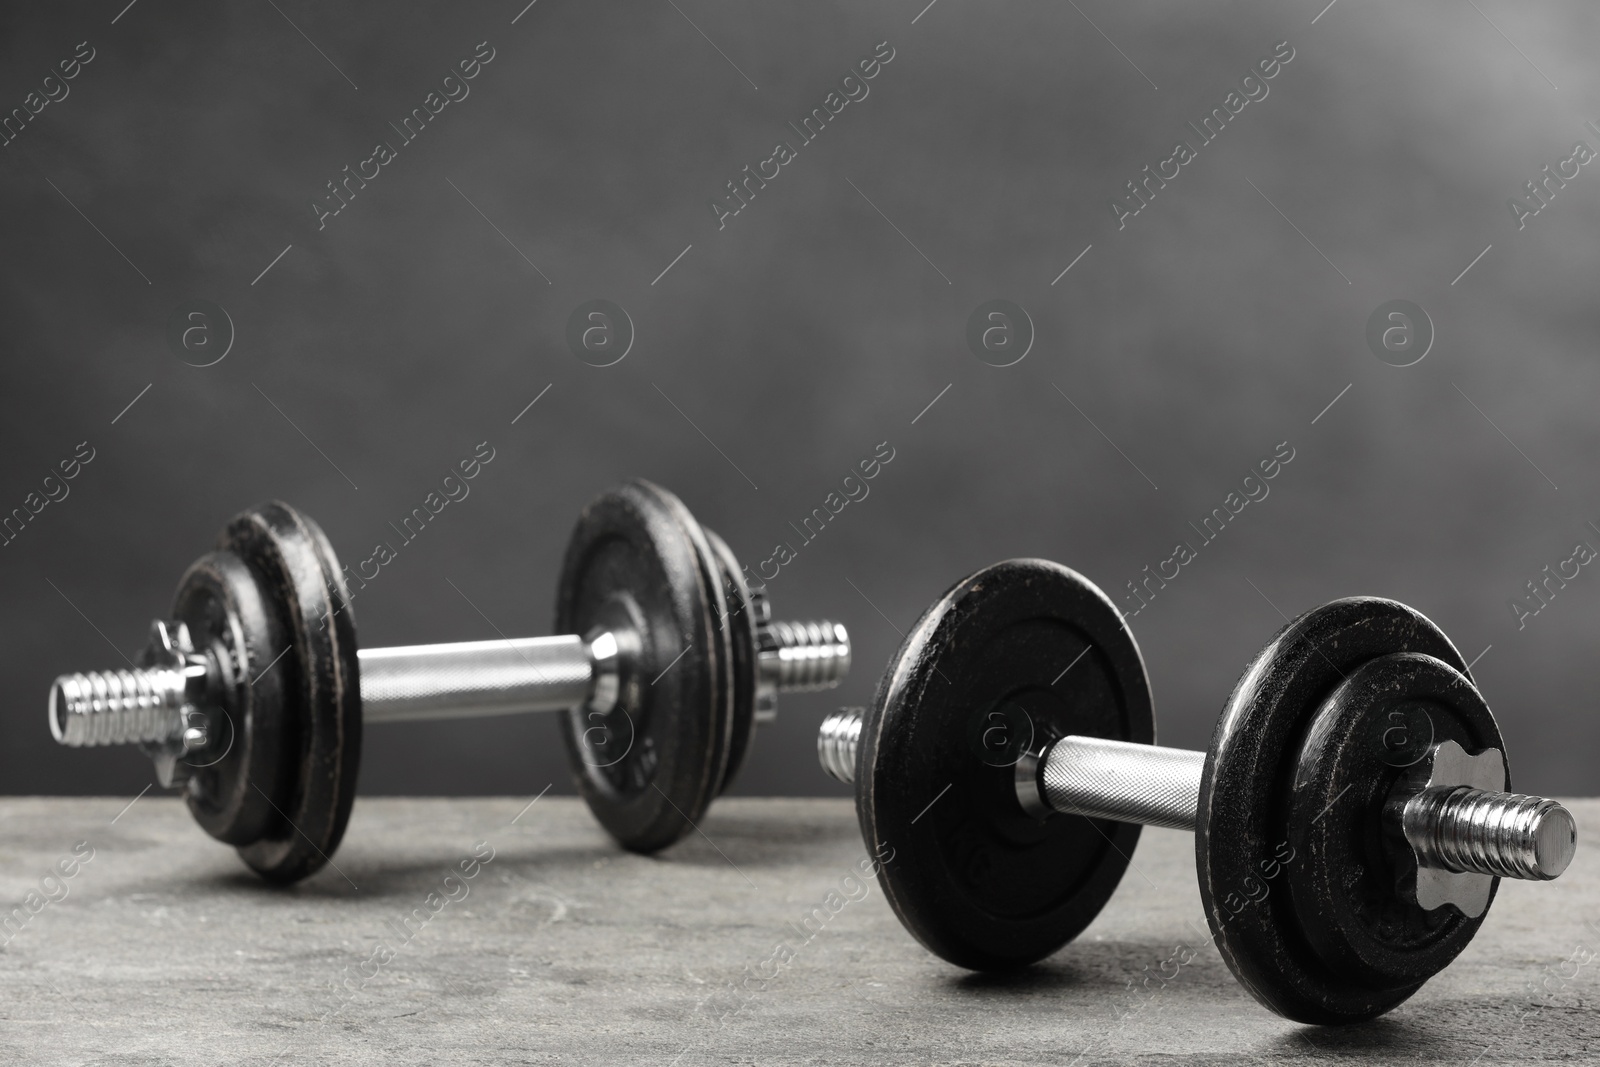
(1123, 780)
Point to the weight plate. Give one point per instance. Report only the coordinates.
(1356, 905)
(237, 779)
(318, 687)
(648, 769)
(740, 629)
(1008, 659)
(1245, 840)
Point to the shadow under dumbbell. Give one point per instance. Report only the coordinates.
(405, 879)
(728, 845)
(776, 840)
(245, 883)
(1133, 969)
(1424, 1040)
(1512, 1025)
(1050, 977)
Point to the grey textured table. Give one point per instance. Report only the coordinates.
(162, 949)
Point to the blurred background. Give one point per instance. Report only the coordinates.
(1167, 352)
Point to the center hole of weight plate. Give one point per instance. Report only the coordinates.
(1403, 734)
(1001, 735)
(605, 738)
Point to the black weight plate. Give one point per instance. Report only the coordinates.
(648, 769)
(300, 581)
(1354, 894)
(1244, 839)
(1022, 646)
(740, 630)
(236, 781)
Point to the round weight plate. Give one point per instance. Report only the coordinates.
(1014, 656)
(237, 779)
(1356, 905)
(318, 706)
(740, 626)
(1245, 839)
(648, 769)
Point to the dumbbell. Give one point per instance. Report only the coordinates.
(1351, 816)
(254, 695)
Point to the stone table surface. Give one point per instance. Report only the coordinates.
(163, 949)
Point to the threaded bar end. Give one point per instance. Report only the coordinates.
(836, 743)
(1505, 835)
(117, 707)
(802, 656)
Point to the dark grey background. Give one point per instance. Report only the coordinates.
(808, 330)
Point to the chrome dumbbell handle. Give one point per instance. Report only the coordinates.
(552, 674)
(470, 679)
(1476, 831)
(1450, 828)
(1120, 780)
(409, 683)
(1117, 780)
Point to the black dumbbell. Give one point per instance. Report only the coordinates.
(254, 696)
(1351, 817)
